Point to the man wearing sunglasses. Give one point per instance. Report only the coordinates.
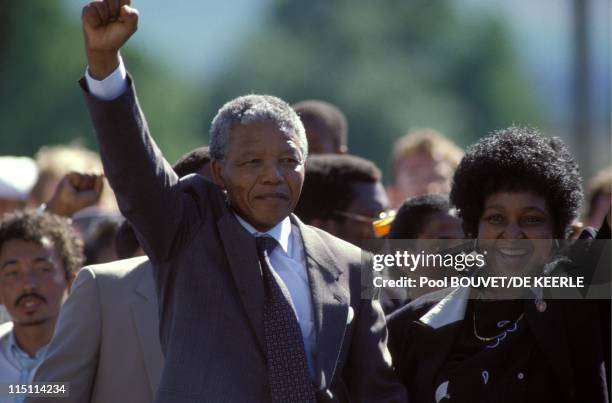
(343, 195)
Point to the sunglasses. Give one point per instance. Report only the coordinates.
(381, 223)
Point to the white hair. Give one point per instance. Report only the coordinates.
(251, 109)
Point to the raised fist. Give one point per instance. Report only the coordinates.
(107, 25)
(75, 192)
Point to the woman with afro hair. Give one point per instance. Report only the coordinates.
(517, 193)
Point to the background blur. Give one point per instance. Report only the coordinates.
(463, 67)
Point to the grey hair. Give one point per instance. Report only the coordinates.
(252, 109)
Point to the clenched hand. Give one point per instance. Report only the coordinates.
(107, 25)
(75, 192)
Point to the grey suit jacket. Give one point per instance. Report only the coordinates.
(209, 281)
(105, 342)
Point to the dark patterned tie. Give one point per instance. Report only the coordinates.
(287, 366)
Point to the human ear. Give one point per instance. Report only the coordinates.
(216, 168)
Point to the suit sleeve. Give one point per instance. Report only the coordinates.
(370, 375)
(146, 187)
(72, 355)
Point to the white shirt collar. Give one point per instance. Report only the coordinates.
(450, 310)
(452, 307)
(281, 231)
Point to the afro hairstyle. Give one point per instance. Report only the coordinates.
(518, 159)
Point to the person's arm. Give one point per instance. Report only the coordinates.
(75, 192)
(368, 370)
(144, 183)
(72, 354)
(110, 87)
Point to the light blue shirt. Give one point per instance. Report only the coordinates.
(289, 266)
(17, 367)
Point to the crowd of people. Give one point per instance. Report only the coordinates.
(236, 274)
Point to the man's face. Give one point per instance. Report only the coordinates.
(419, 173)
(319, 140)
(33, 282)
(263, 173)
(369, 200)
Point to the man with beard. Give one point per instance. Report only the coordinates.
(39, 256)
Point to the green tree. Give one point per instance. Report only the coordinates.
(42, 57)
(389, 65)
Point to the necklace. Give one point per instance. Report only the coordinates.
(501, 336)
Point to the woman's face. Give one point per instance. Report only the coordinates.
(515, 232)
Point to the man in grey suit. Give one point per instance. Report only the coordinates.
(104, 343)
(255, 306)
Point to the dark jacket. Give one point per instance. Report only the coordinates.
(567, 333)
(209, 285)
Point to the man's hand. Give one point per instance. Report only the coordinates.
(75, 192)
(107, 25)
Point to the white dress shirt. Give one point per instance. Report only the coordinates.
(288, 261)
(110, 87)
(289, 269)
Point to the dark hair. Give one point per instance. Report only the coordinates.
(327, 184)
(518, 159)
(34, 226)
(192, 161)
(103, 235)
(414, 213)
(326, 116)
(126, 243)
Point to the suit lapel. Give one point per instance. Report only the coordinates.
(241, 254)
(145, 313)
(330, 302)
(435, 335)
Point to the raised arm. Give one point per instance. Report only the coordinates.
(144, 183)
(368, 370)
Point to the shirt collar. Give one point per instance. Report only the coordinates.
(449, 310)
(281, 231)
(452, 307)
(18, 352)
